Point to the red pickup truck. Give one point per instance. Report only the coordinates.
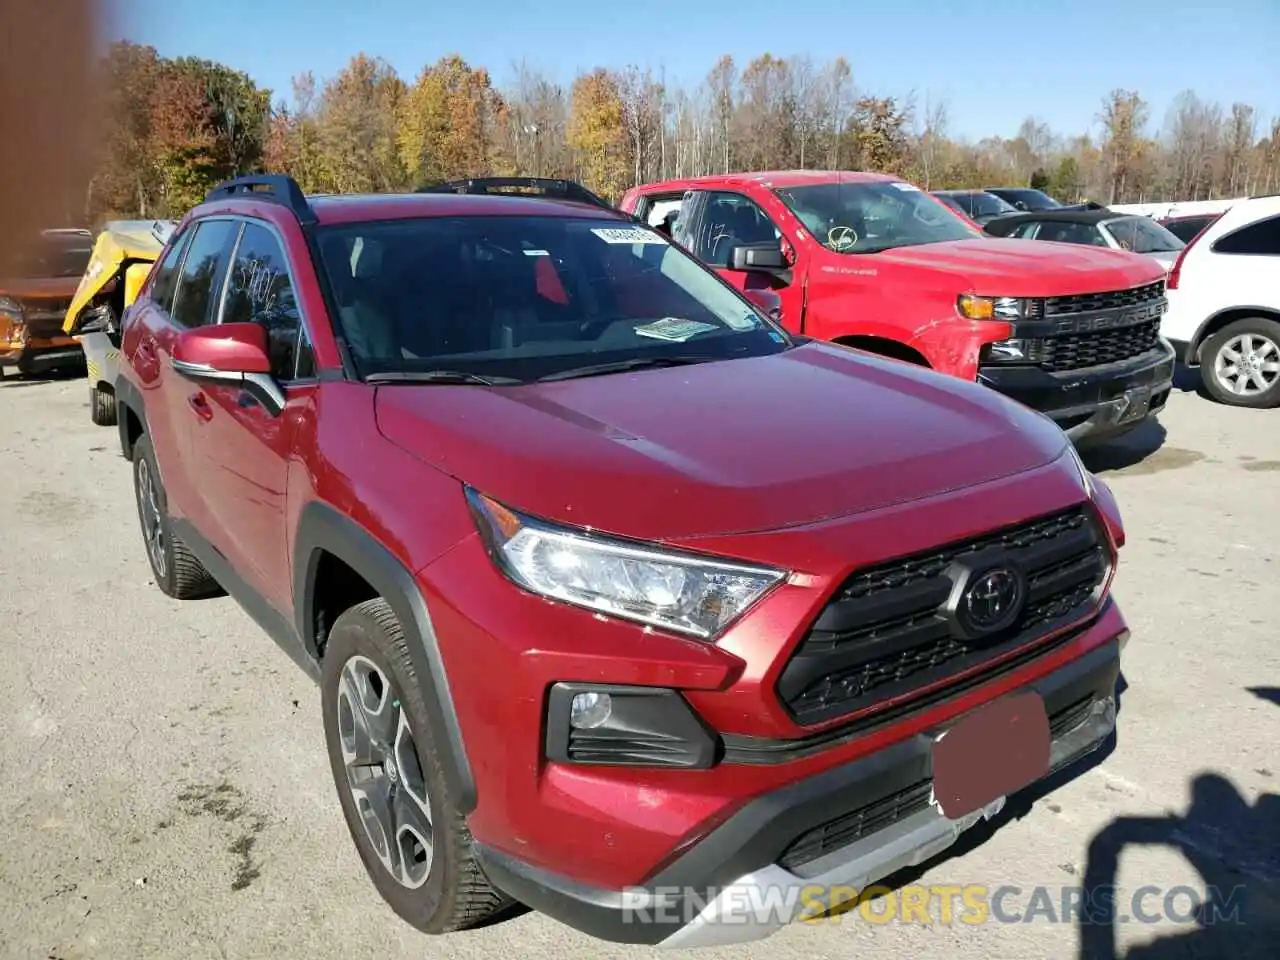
(873, 262)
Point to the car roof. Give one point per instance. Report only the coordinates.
(277, 198)
(768, 178)
(1069, 216)
(956, 193)
(356, 207)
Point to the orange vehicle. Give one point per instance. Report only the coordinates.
(35, 291)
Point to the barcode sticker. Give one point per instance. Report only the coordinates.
(628, 235)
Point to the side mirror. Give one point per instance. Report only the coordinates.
(1020, 204)
(766, 257)
(232, 355)
(767, 302)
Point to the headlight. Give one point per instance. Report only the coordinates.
(991, 308)
(689, 594)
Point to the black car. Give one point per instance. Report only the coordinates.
(1032, 200)
(978, 205)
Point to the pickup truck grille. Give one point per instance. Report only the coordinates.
(1075, 351)
(1094, 302)
(893, 630)
(1093, 329)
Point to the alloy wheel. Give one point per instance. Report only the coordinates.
(152, 523)
(383, 772)
(1248, 364)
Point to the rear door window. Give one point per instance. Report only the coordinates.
(1257, 239)
(200, 280)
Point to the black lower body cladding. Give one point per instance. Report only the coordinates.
(1094, 403)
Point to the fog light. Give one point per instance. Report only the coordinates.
(588, 710)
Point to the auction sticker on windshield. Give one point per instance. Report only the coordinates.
(628, 235)
(674, 329)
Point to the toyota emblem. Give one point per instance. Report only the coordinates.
(993, 599)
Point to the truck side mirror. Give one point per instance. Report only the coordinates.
(764, 257)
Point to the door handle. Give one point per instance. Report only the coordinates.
(200, 404)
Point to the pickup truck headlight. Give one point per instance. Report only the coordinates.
(689, 594)
(991, 308)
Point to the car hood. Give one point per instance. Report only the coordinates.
(724, 447)
(26, 288)
(1004, 267)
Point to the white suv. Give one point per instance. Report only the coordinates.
(1224, 304)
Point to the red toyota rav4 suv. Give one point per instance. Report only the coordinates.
(873, 262)
(622, 600)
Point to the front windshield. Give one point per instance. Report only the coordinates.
(870, 217)
(1031, 199)
(521, 298)
(1143, 235)
(51, 256)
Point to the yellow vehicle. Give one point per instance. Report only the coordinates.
(121, 260)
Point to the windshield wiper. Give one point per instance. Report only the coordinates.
(437, 376)
(621, 366)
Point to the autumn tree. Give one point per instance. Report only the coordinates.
(1124, 120)
(172, 128)
(356, 125)
(128, 75)
(183, 143)
(597, 133)
(450, 123)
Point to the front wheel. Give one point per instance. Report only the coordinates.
(175, 568)
(102, 407)
(1240, 364)
(414, 844)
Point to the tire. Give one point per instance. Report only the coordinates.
(437, 891)
(177, 572)
(1262, 336)
(102, 407)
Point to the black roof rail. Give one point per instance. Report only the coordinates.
(547, 187)
(274, 188)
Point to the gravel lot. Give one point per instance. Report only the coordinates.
(166, 792)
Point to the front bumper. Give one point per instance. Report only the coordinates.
(731, 885)
(1094, 403)
(38, 356)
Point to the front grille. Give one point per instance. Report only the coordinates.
(863, 822)
(1066, 349)
(1111, 300)
(1075, 351)
(44, 318)
(887, 632)
(853, 826)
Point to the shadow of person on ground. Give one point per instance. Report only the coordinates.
(1234, 847)
(1126, 450)
(1270, 694)
(1187, 380)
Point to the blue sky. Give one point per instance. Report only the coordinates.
(995, 61)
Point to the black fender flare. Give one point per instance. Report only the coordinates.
(323, 529)
(128, 398)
